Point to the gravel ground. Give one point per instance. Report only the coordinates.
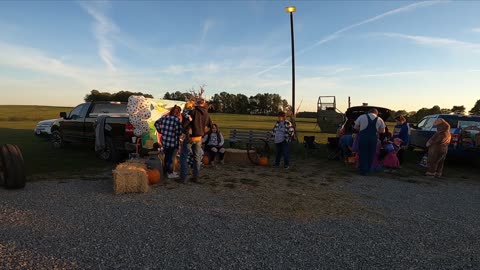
(406, 224)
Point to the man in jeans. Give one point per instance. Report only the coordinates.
(282, 134)
(197, 121)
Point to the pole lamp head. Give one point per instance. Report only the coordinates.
(290, 9)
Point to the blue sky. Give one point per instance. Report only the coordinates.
(397, 54)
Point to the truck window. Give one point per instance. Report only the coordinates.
(109, 108)
(76, 112)
(426, 123)
(464, 124)
(451, 120)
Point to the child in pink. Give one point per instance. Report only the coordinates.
(390, 161)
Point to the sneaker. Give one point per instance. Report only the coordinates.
(286, 167)
(194, 179)
(172, 175)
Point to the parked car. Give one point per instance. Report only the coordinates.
(464, 129)
(78, 126)
(44, 127)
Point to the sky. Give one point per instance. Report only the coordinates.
(395, 54)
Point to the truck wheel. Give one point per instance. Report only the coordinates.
(13, 166)
(110, 153)
(57, 140)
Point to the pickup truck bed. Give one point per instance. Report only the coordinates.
(78, 126)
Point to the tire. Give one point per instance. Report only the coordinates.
(13, 166)
(56, 140)
(110, 153)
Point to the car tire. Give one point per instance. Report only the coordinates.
(56, 140)
(13, 166)
(110, 153)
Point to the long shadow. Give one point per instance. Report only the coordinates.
(41, 158)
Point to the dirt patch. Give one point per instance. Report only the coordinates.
(301, 192)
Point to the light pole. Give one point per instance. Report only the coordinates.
(291, 10)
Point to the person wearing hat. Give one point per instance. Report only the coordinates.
(401, 131)
(198, 122)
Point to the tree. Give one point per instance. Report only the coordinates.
(458, 109)
(445, 111)
(400, 113)
(122, 96)
(476, 109)
(177, 95)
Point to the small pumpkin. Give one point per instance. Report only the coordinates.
(153, 176)
(205, 160)
(263, 161)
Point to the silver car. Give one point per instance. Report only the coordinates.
(44, 127)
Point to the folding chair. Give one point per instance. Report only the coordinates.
(309, 144)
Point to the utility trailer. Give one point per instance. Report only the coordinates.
(329, 117)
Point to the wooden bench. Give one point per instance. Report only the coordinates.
(247, 136)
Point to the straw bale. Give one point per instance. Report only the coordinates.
(130, 177)
(236, 156)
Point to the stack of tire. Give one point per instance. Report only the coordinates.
(12, 168)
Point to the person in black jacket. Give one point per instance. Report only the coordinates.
(198, 122)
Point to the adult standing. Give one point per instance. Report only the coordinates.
(402, 132)
(198, 122)
(170, 127)
(369, 126)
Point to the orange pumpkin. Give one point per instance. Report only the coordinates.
(205, 160)
(263, 161)
(153, 176)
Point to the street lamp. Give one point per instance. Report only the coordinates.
(291, 10)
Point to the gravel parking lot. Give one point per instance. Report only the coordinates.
(370, 223)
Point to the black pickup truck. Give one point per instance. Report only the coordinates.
(78, 126)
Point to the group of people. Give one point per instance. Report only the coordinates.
(193, 134)
(186, 132)
(377, 148)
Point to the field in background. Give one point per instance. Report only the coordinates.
(30, 112)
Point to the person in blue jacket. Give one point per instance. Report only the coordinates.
(401, 131)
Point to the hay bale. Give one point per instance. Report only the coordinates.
(236, 156)
(130, 177)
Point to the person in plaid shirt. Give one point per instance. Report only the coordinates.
(171, 128)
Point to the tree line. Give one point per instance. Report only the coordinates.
(267, 104)
(415, 116)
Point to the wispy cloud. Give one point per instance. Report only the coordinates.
(21, 57)
(476, 30)
(438, 42)
(338, 33)
(103, 30)
(207, 25)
